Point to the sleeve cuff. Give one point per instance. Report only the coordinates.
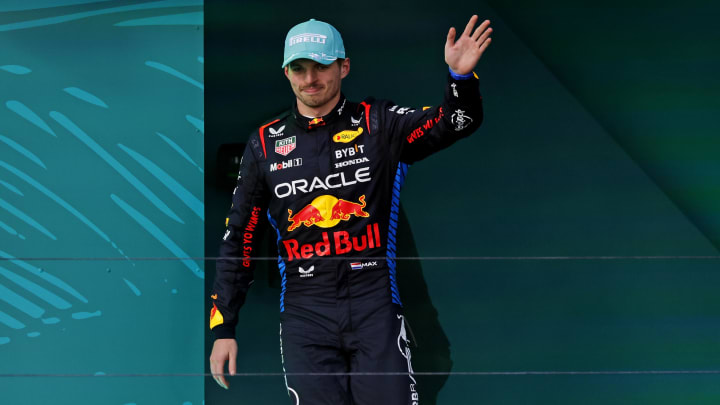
(224, 332)
(461, 77)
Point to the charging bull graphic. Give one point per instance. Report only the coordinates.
(327, 211)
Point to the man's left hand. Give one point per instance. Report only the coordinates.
(462, 55)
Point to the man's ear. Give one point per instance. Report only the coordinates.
(344, 68)
(285, 70)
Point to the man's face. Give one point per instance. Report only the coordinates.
(315, 84)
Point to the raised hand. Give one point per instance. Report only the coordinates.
(462, 55)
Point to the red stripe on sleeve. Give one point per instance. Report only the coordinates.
(262, 135)
(367, 114)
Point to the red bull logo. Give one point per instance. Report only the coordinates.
(316, 122)
(339, 243)
(327, 211)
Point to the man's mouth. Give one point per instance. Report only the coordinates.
(311, 89)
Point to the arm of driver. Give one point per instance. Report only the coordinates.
(224, 350)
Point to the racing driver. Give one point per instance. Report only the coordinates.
(327, 175)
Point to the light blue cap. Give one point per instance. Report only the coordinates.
(315, 40)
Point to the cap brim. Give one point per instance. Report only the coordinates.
(313, 56)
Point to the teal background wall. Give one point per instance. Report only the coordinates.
(600, 139)
(101, 171)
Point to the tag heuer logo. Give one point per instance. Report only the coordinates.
(285, 146)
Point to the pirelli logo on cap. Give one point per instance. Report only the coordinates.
(309, 37)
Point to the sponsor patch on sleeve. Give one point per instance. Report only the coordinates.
(216, 317)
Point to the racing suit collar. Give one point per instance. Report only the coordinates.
(312, 123)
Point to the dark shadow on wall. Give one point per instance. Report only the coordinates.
(430, 345)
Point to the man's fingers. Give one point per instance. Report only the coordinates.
(484, 36)
(214, 371)
(485, 45)
(470, 25)
(231, 364)
(220, 383)
(223, 383)
(220, 379)
(450, 37)
(480, 29)
(216, 368)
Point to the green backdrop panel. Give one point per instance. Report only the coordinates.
(101, 168)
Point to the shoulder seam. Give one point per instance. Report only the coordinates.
(261, 133)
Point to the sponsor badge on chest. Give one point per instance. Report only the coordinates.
(285, 146)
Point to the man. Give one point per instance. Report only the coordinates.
(327, 175)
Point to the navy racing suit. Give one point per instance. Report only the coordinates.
(330, 188)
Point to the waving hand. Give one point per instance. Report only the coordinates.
(464, 53)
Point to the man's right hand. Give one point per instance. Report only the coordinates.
(222, 351)
(462, 55)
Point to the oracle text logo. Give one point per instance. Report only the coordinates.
(335, 180)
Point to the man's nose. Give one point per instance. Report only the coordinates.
(310, 76)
